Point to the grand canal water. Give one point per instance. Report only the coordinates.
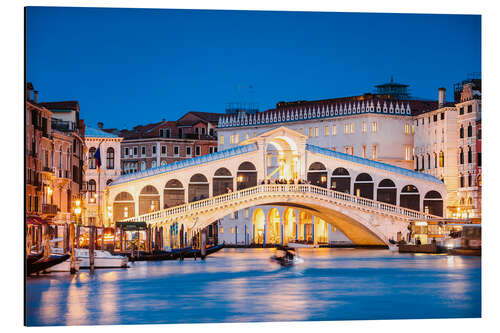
(242, 285)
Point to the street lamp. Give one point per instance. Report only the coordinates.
(77, 210)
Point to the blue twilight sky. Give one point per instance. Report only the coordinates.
(135, 66)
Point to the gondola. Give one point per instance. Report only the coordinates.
(33, 257)
(197, 252)
(45, 263)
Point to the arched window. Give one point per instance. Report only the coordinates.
(469, 203)
(441, 159)
(469, 155)
(461, 156)
(462, 181)
(469, 180)
(92, 164)
(461, 131)
(423, 162)
(469, 130)
(435, 160)
(416, 163)
(91, 188)
(110, 158)
(429, 160)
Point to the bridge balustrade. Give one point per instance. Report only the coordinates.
(279, 188)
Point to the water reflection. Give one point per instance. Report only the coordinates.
(241, 285)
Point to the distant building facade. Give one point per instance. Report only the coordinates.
(97, 180)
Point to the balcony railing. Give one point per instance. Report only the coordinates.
(49, 209)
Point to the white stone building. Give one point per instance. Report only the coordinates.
(97, 181)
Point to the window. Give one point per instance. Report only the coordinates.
(469, 155)
(352, 127)
(478, 159)
(461, 132)
(327, 130)
(232, 230)
(416, 164)
(461, 110)
(310, 132)
(334, 130)
(423, 121)
(168, 133)
(110, 158)
(211, 150)
(196, 130)
(462, 181)
(469, 130)
(316, 131)
(236, 138)
(363, 127)
(153, 148)
(346, 128)
(153, 164)
(346, 150)
(143, 151)
(247, 136)
(479, 134)
(461, 156)
(412, 129)
(407, 128)
(221, 230)
(198, 151)
(435, 160)
(231, 139)
(469, 108)
(176, 151)
(143, 165)
(92, 164)
(442, 115)
(91, 188)
(435, 117)
(374, 151)
(441, 159)
(469, 180)
(126, 151)
(428, 161)
(164, 150)
(352, 150)
(364, 151)
(374, 126)
(221, 141)
(188, 151)
(135, 151)
(407, 153)
(246, 213)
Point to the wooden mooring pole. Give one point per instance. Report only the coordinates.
(92, 234)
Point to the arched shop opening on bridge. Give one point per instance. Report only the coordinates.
(341, 180)
(387, 192)
(173, 194)
(246, 176)
(123, 206)
(198, 188)
(317, 174)
(409, 197)
(259, 223)
(274, 226)
(433, 203)
(149, 200)
(363, 186)
(222, 181)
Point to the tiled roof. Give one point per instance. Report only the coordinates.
(64, 105)
(210, 117)
(91, 132)
(238, 150)
(375, 164)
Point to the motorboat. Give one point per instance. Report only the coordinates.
(66, 266)
(102, 259)
(286, 256)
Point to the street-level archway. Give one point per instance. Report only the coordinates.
(198, 188)
(259, 222)
(173, 194)
(222, 181)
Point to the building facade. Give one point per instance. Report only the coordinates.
(54, 159)
(97, 180)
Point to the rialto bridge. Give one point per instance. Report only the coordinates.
(370, 202)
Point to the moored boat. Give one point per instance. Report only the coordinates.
(102, 259)
(297, 245)
(45, 263)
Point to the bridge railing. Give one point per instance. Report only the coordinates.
(279, 188)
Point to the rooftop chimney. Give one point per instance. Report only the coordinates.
(35, 96)
(100, 125)
(441, 96)
(29, 88)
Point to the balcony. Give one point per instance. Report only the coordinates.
(47, 169)
(49, 209)
(63, 126)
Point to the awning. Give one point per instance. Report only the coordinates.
(35, 220)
